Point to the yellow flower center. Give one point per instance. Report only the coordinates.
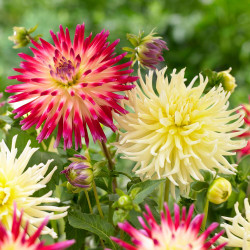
(4, 195)
(10, 244)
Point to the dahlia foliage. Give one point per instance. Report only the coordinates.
(99, 146)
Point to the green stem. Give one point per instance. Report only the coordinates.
(125, 175)
(89, 203)
(111, 164)
(97, 200)
(167, 187)
(205, 214)
(161, 196)
(102, 244)
(107, 155)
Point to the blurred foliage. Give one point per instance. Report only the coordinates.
(199, 33)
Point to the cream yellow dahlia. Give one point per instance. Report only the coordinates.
(238, 233)
(178, 130)
(18, 184)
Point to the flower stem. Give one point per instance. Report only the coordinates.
(97, 200)
(111, 164)
(89, 203)
(161, 196)
(167, 186)
(125, 175)
(205, 214)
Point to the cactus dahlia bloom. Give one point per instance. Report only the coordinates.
(245, 110)
(18, 184)
(182, 233)
(71, 86)
(238, 233)
(15, 239)
(177, 132)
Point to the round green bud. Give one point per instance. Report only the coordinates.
(228, 81)
(125, 202)
(219, 191)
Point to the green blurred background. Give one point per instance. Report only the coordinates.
(200, 33)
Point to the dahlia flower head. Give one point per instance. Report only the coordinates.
(238, 231)
(16, 239)
(182, 233)
(178, 131)
(245, 110)
(71, 86)
(18, 184)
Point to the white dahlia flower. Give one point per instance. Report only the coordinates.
(18, 184)
(238, 232)
(179, 130)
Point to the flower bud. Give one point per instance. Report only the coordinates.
(125, 202)
(79, 174)
(72, 188)
(219, 191)
(21, 36)
(227, 80)
(148, 50)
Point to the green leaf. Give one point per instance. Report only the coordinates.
(244, 168)
(119, 192)
(78, 235)
(147, 187)
(207, 175)
(94, 224)
(6, 118)
(199, 185)
(186, 201)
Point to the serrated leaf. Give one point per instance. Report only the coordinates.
(244, 166)
(207, 175)
(147, 187)
(77, 234)
(186, 201)
(199, 185)
(94, 224)
(6, 118)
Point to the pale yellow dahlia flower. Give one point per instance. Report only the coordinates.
(179, 130)
(238, 233)
(18, 184)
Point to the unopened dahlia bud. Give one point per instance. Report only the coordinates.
(79, 174)
(228, 81)
(125, 202)
(148, 50)
(219, 191)
(21, 36)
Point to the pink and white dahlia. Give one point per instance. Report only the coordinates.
(245, 110)
(17, 239)
(182, 233)
(71, 86)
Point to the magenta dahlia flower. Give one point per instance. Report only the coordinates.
(245, 110)
(18, 240)
(182, 233)
(71, 86)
